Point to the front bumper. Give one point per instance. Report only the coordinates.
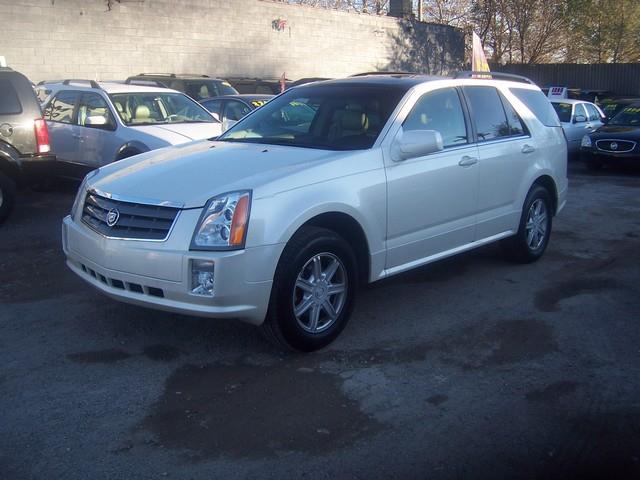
(158, 275)
(590, 155)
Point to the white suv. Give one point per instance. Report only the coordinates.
(92, 124)
(326, 186)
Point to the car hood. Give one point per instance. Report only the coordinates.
(621, 132)
(176, 133)
(191, 173)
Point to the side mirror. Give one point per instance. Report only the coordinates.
(415, 143)
(579, 119)
(605, 120)
(97, 121)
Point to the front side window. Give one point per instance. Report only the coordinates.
(153, 108)
(331, 117)
(593, 113)
(439, 110)
(9, 103)
(563, 110)
(213, 106)
(93, 112)
(487, 112)
(578, 112)
(61, 107)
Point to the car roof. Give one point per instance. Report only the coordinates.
(176, 76)
(405, 81)
(108, 87)
(571, 101)
(241, 96)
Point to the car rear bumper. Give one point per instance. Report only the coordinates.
(151, 275)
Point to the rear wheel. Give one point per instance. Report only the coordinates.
(529, 244)
(313, 291)
(7, 196)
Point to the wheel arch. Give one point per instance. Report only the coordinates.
(547, 182)
(131, 146)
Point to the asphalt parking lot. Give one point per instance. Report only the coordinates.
(469, 368)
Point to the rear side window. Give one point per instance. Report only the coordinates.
(439, 110)
(9, 103)
(488, 113)
(516, 126)
(538, 104)
(61, 107)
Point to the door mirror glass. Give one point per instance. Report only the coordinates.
(96, 121)
(579, 119)
(416, 143)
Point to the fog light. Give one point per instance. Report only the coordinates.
(202, 277)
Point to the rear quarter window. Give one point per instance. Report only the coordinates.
(9, 102)
(538, 104)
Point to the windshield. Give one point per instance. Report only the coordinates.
(200, 89)
(154, 108)
(563, 110)
(330, 117)
(628, 116)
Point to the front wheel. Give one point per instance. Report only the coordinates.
(313, 291)
(529, 244)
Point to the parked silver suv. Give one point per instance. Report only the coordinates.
(278, 220)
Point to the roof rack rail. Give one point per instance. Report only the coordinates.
(198, 75)
(172, 75)
(363, 74)
(93, 83)
(145, 83)
(496, 75)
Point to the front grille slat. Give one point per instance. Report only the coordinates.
(622, 146)
(136, 221)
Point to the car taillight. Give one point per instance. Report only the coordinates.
(42, 135)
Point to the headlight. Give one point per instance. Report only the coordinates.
(223, 223)
(586, 141)
(77, 203)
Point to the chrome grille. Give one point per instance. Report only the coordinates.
(136, 221)
(621, 146)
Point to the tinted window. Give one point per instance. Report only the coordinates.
(538, 104)
(594, 115)
(487, 112)
(579, 111)
(200, 89)
(441, 111)
(628, 116)
(93, 112)
(9, 103)
(516, 127)
(213, 106)
(563, 110)
(60, 108)
(226, 89)
(235, 110)
(331, 117)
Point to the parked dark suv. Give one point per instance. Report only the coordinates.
(197, 87)
(24, 138)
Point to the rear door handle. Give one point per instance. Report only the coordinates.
(467, 161)
(528, 149)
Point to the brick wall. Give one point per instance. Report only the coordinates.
(53, 39)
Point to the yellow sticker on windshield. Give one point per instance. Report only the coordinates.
(226, 84)
(258, 103)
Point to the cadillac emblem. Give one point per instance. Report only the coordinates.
(613, 146)
(113, 216)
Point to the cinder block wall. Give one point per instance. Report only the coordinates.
(53, 39)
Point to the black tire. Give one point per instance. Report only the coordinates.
(281, 325)
(518, 248)
(7, 196)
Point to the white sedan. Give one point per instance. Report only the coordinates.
(92, 124)
(578, 118)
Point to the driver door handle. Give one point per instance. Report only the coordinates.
(528, 149)
(467, 161)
